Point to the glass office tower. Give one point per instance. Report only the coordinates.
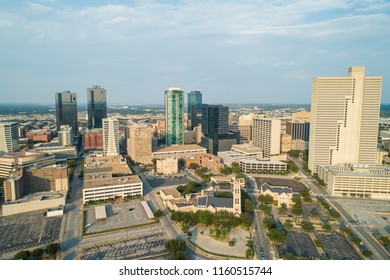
(174, 116)
(194, 109)
(97, 106)
(66, 110)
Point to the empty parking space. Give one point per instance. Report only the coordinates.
(337, 247)
(27, 230)
(299, 244)
(160, 181)
(118, 216)
(141, 247)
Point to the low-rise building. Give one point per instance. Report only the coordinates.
(208, 161)
(61, 153)
(24, 159)
(280, 194)
(356, 180)
(44, 135)
(93, 139)
(238, 152)
(256, 164)
(167, 166)
(109, 177)
(31, 180)
(179, 151)
(205, 200)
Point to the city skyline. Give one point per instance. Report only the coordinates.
(266, 52)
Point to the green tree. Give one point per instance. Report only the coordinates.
(334, 214)
(22, 255)
(266, 209)
(235, 168)
(347, 230)
(288, 225)
(327, 226)
(367, 253)
(385, 240)
(194, 166)
(224, 231)
(307, 226)
(276, 236)
(176, 249)
(158, 214)
(246, 220)
(52, 249)
(297, 210)
(269, 223)
(37, 254)
(248, 205)
(283, 209)
(297, 199)
(266, 199)
(249, 253)
(356, 240)
(226, 171)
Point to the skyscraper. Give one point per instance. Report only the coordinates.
(140, 143)
(215, 128)
(9, 140)
(344, 119)
(110, 136)
(97, 106)
(266, 135)
(174, 127)
(194, 109)
(66, 110)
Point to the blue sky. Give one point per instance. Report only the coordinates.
(232, 51)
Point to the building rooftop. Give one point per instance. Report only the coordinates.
(294, 185)
(246, 149)
(117, 164)
(104, 182)
(276, 189)
(180, 148)
(358, 170)
(261, 160)
(171, 191)
(217, 202)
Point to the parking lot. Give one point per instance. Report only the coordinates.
(118, 216)
(337, 247)
(365, 214)
(28, 230)
(165, 181)
(149, 246)
(299, 244)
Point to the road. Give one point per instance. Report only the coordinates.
(261, 241)
(72, 232)
(379, 253)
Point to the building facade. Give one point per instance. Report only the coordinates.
(66, 110)
(194, 109)
(215, 129)
(266, 135)
(9, 137)
(344, 119)
(356, 180)
(25, 181)
(140, 143)
(97, 106)
(174, 116)
(11, 161)
(93, 139)
(110, 136)
(65, 135)
(298, 130)
(179, 151)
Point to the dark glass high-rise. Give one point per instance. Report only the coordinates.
(194, 109)
(97, 106)
(66, 110)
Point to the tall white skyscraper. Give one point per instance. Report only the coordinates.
(9, 139)
(110, 136)
(344, 119)
(266, 135)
